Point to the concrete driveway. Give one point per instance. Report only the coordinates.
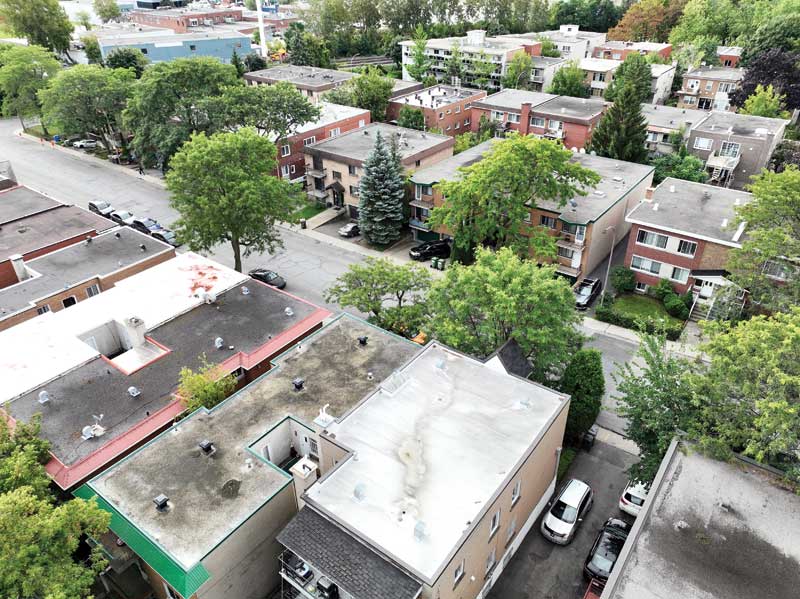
(542, 570)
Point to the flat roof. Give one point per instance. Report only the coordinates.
(403, 87)
(330, 114)
(712, 530)
(744, 125)
(187, 11)
(670, 118)
(721, 73)
(729, 51)
(564, 36)
(437, 96)
(546, 61)
(567, 107)
(302, 76)
(357, 144)
(416, 461)
(659, 69)
(639, 46)
(490, 45)
(64, 268)
(696, 209)
(448, 169)
(617, 178)
(601, 65)
(513, 99)
(171, 38)
(19, 202)
(336, 369)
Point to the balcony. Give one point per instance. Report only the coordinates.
(300, 575)
(722, 162)
(537, 78)
(318, 194)
(554, 133)
(598, 84)
(568, 270)
(416, 223)
(569, 242)
(317, 173)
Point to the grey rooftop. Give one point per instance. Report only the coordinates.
(513, 99)
(716, 73)
(668, 117)
(437, 96)
(302, 77)
(159, 38)
(569, 108)
(19, 202)
(744, 125)
(703, 211)
(448, 169)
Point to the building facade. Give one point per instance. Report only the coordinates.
(571, 41)
(666, 123)
(729, 56)
(443, 107)
(709, 88)
(183, 20)
(618, 50)
(158, 47)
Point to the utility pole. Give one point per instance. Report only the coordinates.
(262, 36)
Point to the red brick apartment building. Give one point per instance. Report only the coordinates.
(444, 107)
(616, 50)
(729, 56)
(181, 20)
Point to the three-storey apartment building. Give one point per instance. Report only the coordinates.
(708, 88)
(619, 50)
(443, 107)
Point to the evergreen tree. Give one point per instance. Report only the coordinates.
(636, 71)
(380, 207)
(622, 131)
(584, 381)
(237, 64)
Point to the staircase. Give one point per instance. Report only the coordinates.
(702, 311)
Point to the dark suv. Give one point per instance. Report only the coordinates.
(146, 225)
(606, 550)
(431, 249)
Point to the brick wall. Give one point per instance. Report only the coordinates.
(453, 119)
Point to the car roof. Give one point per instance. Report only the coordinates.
(573, 492)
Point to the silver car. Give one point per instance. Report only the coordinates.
(566, 512)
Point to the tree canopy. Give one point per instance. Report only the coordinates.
(106, 10)
(622, 130)
(518, 72)
(570, 80)
(648, 20)
(381, 193)
(411, 118)
(205, 387)
(583, 380)
(777, 68)
(127, 58)
(680, 165)
(420, 63)
(24, 72)
(43, 22)
(304, 48)
(635, 70)
(765, 101)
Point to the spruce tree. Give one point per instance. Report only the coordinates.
(635, 70)
(237, 64)
(381, 193)
(622, 131)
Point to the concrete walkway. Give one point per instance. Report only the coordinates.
(593, 326)
(323, 217)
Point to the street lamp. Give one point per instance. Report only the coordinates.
(610, 258)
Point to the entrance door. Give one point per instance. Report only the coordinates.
(706, 289)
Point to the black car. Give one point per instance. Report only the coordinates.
(586, 292)
(166, 236)
(100, 207)
(439, 248)
(270, 277)
(606, 549)
(148, 226)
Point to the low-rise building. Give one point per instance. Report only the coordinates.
(64, 277)
(661, 82)
(709, 88)
(276, 21)
(666, 122)
(334, 120)
(103, 374)
(334, 166)
(684, 233)
(400, 517)
(182, 20)
(599, 73)
(619, 50)
(735, 146)
(443, 107)
(711, 529)
(571, 41)
(729, 56)
(162, 46)
(543, 69)
(510, 109)
(571, 120)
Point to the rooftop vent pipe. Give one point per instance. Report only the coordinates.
(362, 340)
(161, 502)
(207, 447)
(298, 383)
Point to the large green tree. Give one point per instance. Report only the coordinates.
(518, 71)
(106, 10)
(411, 118)
(635, 70)
(585, 383)
(780, 32)
(622, 130)
(723, 20)
(454, 65)
(305, 48)
(481, 70)
(43, 22)
(381, 194)
(25, 70)
(570, 80)
(371, 91)
(127, 58)
(420, 64)
(648, 20)
(477, 308)
(91, 47)
(766, 102)
(490, 201)
(89, 99)
(224, 190)
(680, 165)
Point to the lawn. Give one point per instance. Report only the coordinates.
(309, 210)
(642, 306)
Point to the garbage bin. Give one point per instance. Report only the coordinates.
(589, 437)
(303, 223)
(56, 138)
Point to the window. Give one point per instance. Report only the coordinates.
(725, 87)
(776, 270)
(458, 109)
(651, 239)
(144, 50)
(497, 115)
(361, 122)
(337, 175)
(459, 573)
(703, 143)
(537, 121)
(645, 265)
(170, 592)
(566, 253)
(309, 140)
(641, 287)
(334, 132)
(352, 169)
(313, 446)
(449, 111)
(527, 217)
(491, 560)
(730, 149)
(689, 100)
(441, 116)
(285, 150)
(709, 85)
(681, 275)
(69, 301)
(512, 529)
(417, 163)
(495, 523)
(513, 117)
(458, 125)
(285, 170)
(192, 47)
(292, 169)
(354, 191)
(547, 221)
(555, 125)
(43, 309)
(516, 492)
(598, 76)
(93, 290)
(694, 83)
(687, 247)
(449, 127)
(466, 122)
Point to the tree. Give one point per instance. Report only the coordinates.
(482, 70)
(702, 50)
(23, 454)
(371, 91)
(765, 102)
(420, 63)
(393, 295)
(454, 65)
(781, 32)
(648, 20)
(787, 153)
(657, 399)
(622, 131)
(24, 72)
(623, 279)
(774, 67)
(679, 165)
(237, 64)
(106, 10)
(206, 387)
(411, 118)
(772, 242)
(477, 308)
(84, 19)
(722, 20)
(381, 194)
(127, 58)
(168, 103)
(493, 197)
(43, 22)
(518, 72)
(224, 190)
(570, 80)
(549, 48)
(585, 383)
(89, 99)
(590, 15)
(254, 62)
(635, 70)
(304, 48)
(92, 49)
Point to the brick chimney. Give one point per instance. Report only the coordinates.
(525, 118)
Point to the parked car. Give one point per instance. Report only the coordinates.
(122, 217)
(101, 207)
(270, 277)
(633, 498)
(586, 292)
(70, 140)
(439, 248)
(349, 230)
(86, 144)
(566, 512)
(146, 225)
(166, 236)
(606, 549)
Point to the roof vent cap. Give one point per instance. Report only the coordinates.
(672, 189)
(162, 502)
(117, 235)
(207, 447)
(362, 340)
(288, 311)
(219, 343)
(134, 391)
(420, 531)
(245, 290)
(143, 247)
(44, 397)
(298, 383)
(360, 492)
(88, 239)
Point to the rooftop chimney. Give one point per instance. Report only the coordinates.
(363, 340)
(19, 267)
(161, 502)
(298, 383)
(207, 447)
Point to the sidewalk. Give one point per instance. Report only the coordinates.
(687, 348)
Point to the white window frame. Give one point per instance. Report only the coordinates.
(361, 123)
(641, 287)
(537, 121)
(169, 591)
(691, 244)
(516, 493)
(352, 170)
(93, 290)
(699, 146)
(285, 170)
(678, 280)
(43, 309)
(512, 117)
(731, 149)
(292, 169)
(310, 140)
(512, 529)
(286, 149)
(709, 86)
(334, 132)
(466, 122)
(497, 115)
(548, 221)
(566, 253)
(494, 525)
(491, 560)
(655, 238)
(644, 260)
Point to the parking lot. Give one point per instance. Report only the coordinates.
(542, 570)
(398, 250)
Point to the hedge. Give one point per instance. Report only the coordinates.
(607, 314)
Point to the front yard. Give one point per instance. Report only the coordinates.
(641, 313)
(643, 306)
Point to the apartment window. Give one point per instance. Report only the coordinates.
(694, 83)
(566, 253)
(144, 50)
(309, 140)
(43, 309)
(285, 170)
(645, 265)
(547, 221)
(537, 121)
(93, 290)
(449, 127)
(681, 275)
(458, 109)
(170, 592)
(192, 47)
(69, 301)
(730, 149)
(466, 122)
(497, 115)
(292, 169)
(441, 116)
(565, 49)
(689, 100)
(495, 523)
(354, 191)
(337, 175)
(776, 270)
(687, 247)
(361, 123)
(417, 162)
(512, 529)
(449, 111)
(652, 239)
(641, 287)
(458, 574)
(555, 125)
(352, 169)
(334, 132)
(458, 125)
(709, 85)
(491, 560)
(725, 87)
(313, 446)
(513, 117)
(516, 492)
(527, 217)
(703, 143)
(598, 76)
(285, 150)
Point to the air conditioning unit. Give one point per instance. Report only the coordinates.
(327, 589)
(230, 20)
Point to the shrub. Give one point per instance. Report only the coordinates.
(583, 380)
(623, 279)
(206, 387)
(688, 298)
(610, 315)
(675, 307)
(662, 289)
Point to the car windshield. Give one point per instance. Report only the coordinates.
(101, 205)
(584, 291)
(565, 513)
(634, 499)
(607, 551)
(149, 222)
(124, 215)
(602, 563)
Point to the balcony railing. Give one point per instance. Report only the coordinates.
(416, 223)
(569, 242)
(568, 270)
(317, 173)
(556, 133)
(318, 194)
(724, 162)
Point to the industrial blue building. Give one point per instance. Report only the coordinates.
(161, 46)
